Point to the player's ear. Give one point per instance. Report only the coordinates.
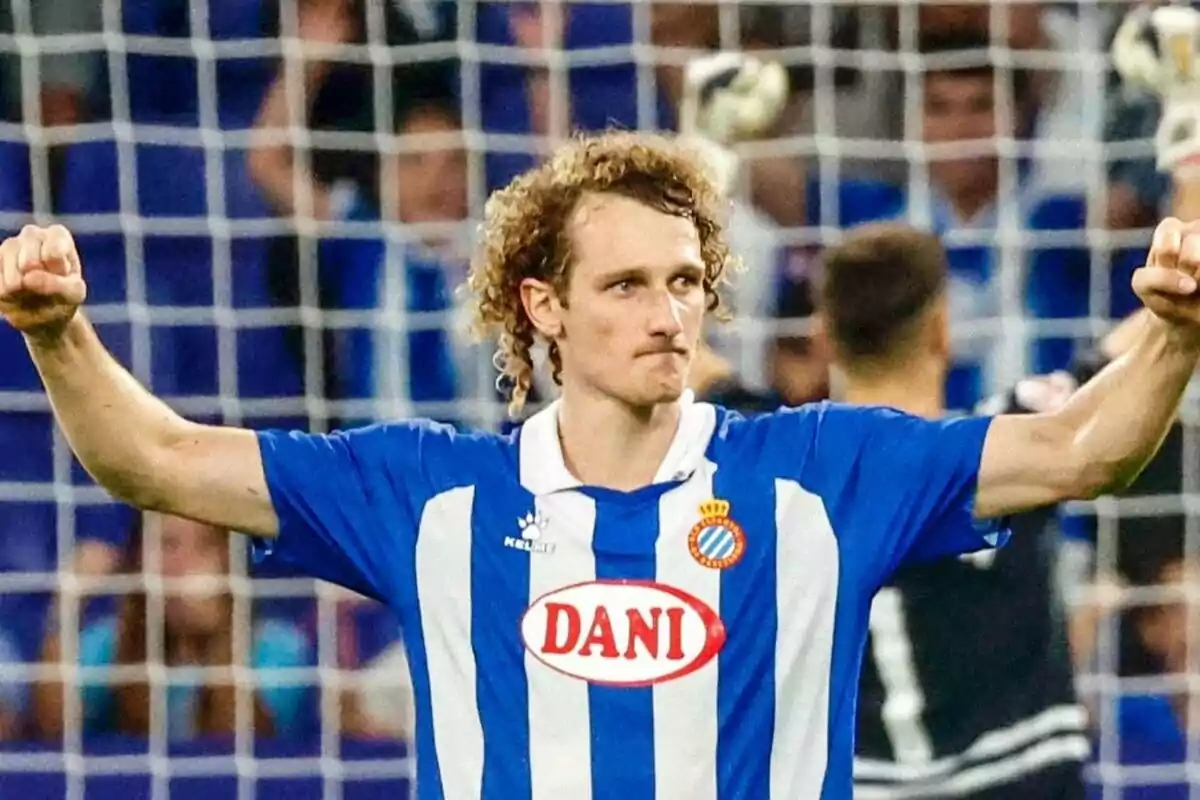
(542, 306)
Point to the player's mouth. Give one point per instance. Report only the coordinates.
(665, 351)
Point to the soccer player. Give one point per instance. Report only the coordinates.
(634, 595)
(967, 688)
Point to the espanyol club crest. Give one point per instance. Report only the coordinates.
(716, 541)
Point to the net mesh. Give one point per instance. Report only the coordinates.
(233, 312)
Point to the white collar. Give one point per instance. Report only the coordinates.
(544, 471)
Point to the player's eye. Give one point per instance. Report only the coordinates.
(622, 286)
(687, 281)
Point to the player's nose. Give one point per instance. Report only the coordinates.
(665, 315)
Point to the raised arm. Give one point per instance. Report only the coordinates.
(1101, 439)
(129, 441)
(286, 180)
(1105, 434)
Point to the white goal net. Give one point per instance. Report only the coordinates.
(274, 201)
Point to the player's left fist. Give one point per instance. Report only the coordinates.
(41, 281)
(1167, 285)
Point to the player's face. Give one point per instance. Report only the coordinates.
(960, 110)
(193, 550)
(635, 302)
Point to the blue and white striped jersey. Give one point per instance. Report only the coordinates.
(697, 638)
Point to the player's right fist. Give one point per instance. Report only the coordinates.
(41, 280)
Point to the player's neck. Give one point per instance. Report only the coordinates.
(918, 391)
(610, 444)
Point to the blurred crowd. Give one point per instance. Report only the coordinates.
(275, 202)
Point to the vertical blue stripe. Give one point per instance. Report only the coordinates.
(499, 594)
(623, 718)
(746, 664)
(429, 782)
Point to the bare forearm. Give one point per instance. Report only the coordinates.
(119, 431)
(144, 453)
(290, 185)
(1101, 439)
(1118, 420)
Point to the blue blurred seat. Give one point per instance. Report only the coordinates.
(303, 784)
(16, 194)
(161, 84)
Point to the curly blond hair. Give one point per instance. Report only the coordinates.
(526, 234)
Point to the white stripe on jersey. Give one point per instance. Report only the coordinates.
(993, 744)
(444, 549)
(685, 709)
(560, 731)
(806, 567)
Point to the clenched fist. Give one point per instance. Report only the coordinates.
(41, 280)
(1168, 284)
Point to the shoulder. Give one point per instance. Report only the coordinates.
(826, 420)
(413, 459)
(784, 440)
(411, 439)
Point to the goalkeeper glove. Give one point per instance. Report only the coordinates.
(1158, 49)
(727, 98)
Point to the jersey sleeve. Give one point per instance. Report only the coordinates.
(349, 503)
(901, 488)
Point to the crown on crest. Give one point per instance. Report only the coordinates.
(714, 508)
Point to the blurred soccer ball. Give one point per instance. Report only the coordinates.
(731, 97)
(1158, 49)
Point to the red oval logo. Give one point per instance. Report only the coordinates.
(622, 633)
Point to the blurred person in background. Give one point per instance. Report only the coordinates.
(1154, 726)
(942, 629)
(797, 362)
(68, 84)
(14, 695)
(968, 205)
(327, 181)
(1156, 56)
(408, 270)
(340, 93)
(768, 202)
(1148, 592)
(199, 628)
(377, 701)
(65, 80)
